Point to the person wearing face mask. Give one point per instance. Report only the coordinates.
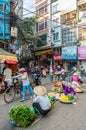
(25, 84)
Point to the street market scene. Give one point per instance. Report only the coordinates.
(42, 65)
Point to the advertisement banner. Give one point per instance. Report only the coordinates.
(69, 53)
(82, 52)
(57, 56)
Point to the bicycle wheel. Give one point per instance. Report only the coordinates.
(9, 94)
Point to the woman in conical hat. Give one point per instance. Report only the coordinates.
(76, 80)
(75, 73)
(40, 90)
(41, 102)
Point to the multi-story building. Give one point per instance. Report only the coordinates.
(10, 12)
(42, 29)
(62, 28)
(4, 19)
(69, 36)
(56, 34)
(81, 7)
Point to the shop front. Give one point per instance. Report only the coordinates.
(69, 56)
(82, 56)
(8, 58)
(57, 60)
(43, 57)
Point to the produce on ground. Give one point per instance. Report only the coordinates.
(79, 90)
(57, 84)
(52, 100)
(22, 115)
(66, 98)
(57, 89)
(51, 94)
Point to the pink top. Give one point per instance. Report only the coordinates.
(75, 78)
(63, 71)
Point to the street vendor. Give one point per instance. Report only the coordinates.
(63, 83)
(59, 70)
(69, 90)
(41, 102)
(8, 74)
(76, 79)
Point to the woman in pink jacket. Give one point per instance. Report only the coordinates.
(76, 80)
(75, 77)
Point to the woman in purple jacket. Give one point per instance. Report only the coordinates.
(69, 90)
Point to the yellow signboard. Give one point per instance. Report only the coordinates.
(42, 52)
(5, 57)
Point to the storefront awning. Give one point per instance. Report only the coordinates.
(4, 55)
(11, 62)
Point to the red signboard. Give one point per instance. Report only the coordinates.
(57, 56)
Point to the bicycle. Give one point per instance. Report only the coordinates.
(12, 90)
(36, 80)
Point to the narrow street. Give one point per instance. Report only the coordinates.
(61, 117)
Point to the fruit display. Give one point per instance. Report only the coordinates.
(57, 84)
(70, 97)
(52, 100)
(79, 90)
(50, 94)
(57, 90)
(57, 73)
(66, 98)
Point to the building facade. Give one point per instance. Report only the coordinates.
(65, 32)
(4, 20)
(42, 30)
(81, 7)
(56, 32)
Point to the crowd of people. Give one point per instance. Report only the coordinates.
(41, 101)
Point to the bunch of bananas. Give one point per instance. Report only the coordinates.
(78, 89)
(64, 98)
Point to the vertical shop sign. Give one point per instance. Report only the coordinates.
(82, 52)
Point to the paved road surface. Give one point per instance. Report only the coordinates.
(61, 117)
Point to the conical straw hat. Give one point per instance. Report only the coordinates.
(75, 73)
(40, 90)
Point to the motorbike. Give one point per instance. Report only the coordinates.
(36, 79)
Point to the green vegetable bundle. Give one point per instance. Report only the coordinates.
(52, 100)
(22, 115)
